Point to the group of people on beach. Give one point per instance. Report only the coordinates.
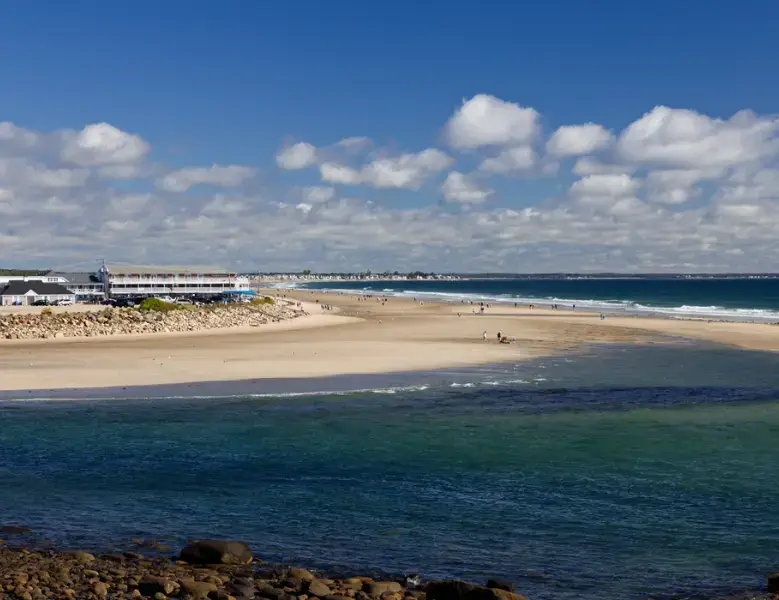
(502, 339)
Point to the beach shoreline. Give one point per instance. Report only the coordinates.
(221, 568)
(345, 335)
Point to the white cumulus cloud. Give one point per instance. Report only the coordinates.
(316, 194)
(589, 166)
(573, 140)
(605, 185)
(103, 144)
(464, 189)
(521, 158)
(221, 176)
(485, 120)
(408, 170)
(297, 156)
(680, 138)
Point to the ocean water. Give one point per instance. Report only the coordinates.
(738, 299)
(619, 472)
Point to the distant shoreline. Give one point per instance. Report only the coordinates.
(609, 308)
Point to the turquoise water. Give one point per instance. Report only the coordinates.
(723, 298)
(613, 474)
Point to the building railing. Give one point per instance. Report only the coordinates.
(160, 290)
(175, 279)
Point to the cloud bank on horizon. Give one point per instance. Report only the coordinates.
(675, 190)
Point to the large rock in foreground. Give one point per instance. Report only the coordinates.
(460, 590)
(217, 552)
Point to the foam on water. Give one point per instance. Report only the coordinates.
(610, 306)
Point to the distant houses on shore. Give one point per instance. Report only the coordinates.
(309, 276)
(115, 280)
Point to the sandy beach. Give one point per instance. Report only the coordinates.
(357, 337)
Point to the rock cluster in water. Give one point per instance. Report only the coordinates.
(116, 321)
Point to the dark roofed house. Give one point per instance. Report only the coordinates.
(28, 292)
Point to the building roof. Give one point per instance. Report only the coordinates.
(121, 269)
(41, 288)
(78, 278)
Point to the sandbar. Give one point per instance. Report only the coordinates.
(360, 336)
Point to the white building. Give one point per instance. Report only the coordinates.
(27, 292)
(86, 286)
(127, 280)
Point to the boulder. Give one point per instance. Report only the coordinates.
(448, 590)
(773, 583)
(292, 583)
(197, 589)
(500, 584)
(485, 593)
(377, 588)
(151, 585)
(14, 529)
(83, 557)
(460, 590)
(302, 574)
(317, 588)
(242, 589)
(270, 592)
(217, 552)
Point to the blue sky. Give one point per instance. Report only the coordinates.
(234, 83)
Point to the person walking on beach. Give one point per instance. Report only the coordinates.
(499, 336)
(484, 335)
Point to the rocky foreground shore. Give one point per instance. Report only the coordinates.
(117, 321)
(207, 569)
(223, 570)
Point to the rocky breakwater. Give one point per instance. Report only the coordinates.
(118, 321)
